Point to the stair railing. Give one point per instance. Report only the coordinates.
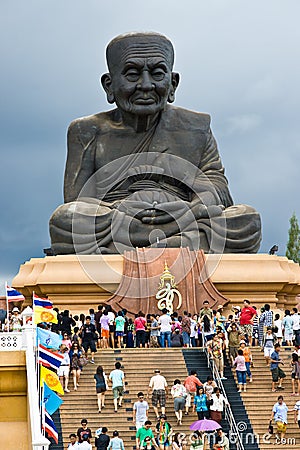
(234, 431)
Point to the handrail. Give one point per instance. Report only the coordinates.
(234, 431)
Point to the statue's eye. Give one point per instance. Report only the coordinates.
(158, 74)
(132, 74)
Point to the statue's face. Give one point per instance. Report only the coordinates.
(142, 81)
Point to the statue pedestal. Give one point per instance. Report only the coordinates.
(81, 282)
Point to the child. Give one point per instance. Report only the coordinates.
(248, 358)
(240, 365)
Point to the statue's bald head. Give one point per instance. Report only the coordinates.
(147, 43)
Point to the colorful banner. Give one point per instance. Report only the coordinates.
(13, 295)
(43, 302)
(44, 315)
(51, 380)
(50, 427)
(48, 358)
(51, 400)
(48, 338)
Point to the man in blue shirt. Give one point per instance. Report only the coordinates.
(277, 373)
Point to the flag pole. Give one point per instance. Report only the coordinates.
(7, 309)
(42, 409)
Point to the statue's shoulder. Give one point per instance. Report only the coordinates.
(89, 126)
(186, 119)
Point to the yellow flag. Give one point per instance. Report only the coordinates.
(44, 315)
(51, 380)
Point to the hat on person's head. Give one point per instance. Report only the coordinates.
(220, 307)
(156, 371)
(15, 309)
(163, 416)
(242, 342)
(236, 307)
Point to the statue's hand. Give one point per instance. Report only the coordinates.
(180, 211)
(166, 212)
(206, 212)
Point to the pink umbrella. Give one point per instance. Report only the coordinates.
(205, 425)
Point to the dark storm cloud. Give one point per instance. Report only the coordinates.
(238, 61)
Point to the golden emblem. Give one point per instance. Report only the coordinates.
(167, 291)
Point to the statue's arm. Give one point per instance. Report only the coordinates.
(80, 164)
(214, 180)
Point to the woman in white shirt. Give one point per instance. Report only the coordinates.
(179, 394)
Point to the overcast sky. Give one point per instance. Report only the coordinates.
(238, 61)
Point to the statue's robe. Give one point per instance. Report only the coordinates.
(113, 173)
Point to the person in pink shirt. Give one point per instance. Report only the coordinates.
(246, 320)
(66, 341)
(240, 365)
(140, 329)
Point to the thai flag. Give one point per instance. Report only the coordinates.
(48, 358)
(44, 302)
(50, 427)
(13, 295)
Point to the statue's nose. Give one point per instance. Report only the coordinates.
(145, 81)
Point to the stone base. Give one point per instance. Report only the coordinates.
(81, 282)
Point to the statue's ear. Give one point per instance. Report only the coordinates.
(174, 83)
(106, 82)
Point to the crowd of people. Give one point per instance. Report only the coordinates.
(106, 328)
(189, 396)
(225, 336)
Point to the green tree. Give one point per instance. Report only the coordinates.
(293, 245)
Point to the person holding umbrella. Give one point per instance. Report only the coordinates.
(198, 441)
(222, 441)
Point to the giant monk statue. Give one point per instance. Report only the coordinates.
(146, 172)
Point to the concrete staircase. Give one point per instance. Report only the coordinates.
(259, 401)
(138, 366)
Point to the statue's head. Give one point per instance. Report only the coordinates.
(140, 79)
